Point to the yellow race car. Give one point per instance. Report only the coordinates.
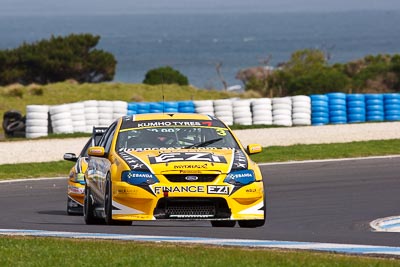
(76, 178)
(176, 167)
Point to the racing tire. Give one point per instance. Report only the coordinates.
(88, 209)
(254, 223)
(223, 223)
(108, 206)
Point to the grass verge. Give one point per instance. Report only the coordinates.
(269, 154)
(65, 252)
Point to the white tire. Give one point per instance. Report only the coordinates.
(78, 123)
(282, 106)
(59, 109)
(120, 110)
(105, 122)
(241, 103)
(105, 116)
(37, 116)
(76, 106)
(120, 105)
(301, 98)
(222, 102)
(301, 105)
(223, 108)
(283, 122)
(62, 122)
(262, 113)
(90, 103)
(77, 112)
(203, 103)
(104, 104)
(35, 135)
(118, 115)
(79, 129)
(241, 109)
(63, 129)
(282, 100)
(243, 121)
(301, 116)
(261, 101)
(91, 110)
(36, 129)
(226, 113)
(37, 108)
(286, 112)
(204, 109)
(242, 115)
(78, 117)
(61, 116)
(91, 116)
(301, 122)
(281, 117)
(262, 122)
(261, 107)
(262, 118)
(33, 122)
(92, 123)
(301, 110)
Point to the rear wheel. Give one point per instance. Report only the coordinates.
(108, 206)
(223, 223)
(88, 209)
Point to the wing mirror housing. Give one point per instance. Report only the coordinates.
(70, 157)
(96, 151)
(254, 148)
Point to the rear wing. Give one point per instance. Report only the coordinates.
(97, 134)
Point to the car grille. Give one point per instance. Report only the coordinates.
(191, 208)
(184, 178)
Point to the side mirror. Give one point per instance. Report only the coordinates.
(70, 157)
(254, 148)
(96, 151)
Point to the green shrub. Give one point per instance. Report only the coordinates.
(165, 75)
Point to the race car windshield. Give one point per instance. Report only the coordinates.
(176, 137)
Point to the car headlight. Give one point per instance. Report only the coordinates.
(139, 178)
(244, 177)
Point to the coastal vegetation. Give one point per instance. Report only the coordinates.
(57, 59)
(308, 72)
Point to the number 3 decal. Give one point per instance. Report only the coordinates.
(221, 132)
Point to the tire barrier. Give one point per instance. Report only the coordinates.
(392, 107)
(337, 108)
(319, 110)
(301, 110)
(204, 107)
(61, 119)
(241, 111)
(374, 107)
(223, 110)
(262, 111)
(186, 107)
(282, 111)
(91, 115)
(14, 124)
(356, 111)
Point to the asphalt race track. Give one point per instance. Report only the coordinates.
(329, 201)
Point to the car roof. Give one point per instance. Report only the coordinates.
(157, 119)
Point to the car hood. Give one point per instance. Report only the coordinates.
(183, 160)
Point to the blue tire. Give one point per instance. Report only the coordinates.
(338, 119)
(374, 102)
(172, 104)
(320, 115)
(355, 97)
(392, 101)
(336, 96)
(392, 112)
(392, 107)
(355, 104)
(392, 118)
(373, 97)
(337, 101)
(319, 103)
(356, 111)
(320, 109)
(394, 96)
(356, 118)
(335, 113)
(183, 104)
(370, 108)
(337, 107)
(187, 110)
(375, 118)
(319, 120)
(319, 98)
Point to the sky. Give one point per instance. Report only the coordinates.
(80, 7)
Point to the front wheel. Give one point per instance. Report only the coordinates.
(88, 209)
(223, 223)
(254, 223)
(108, 206)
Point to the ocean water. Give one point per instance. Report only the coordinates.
(194, 44)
